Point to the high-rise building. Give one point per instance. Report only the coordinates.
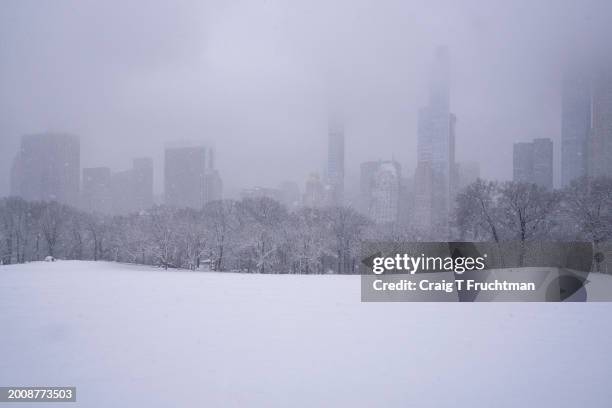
(423, 196)
(406, 201)
(213, 186)
(435, 151)
(522, 162)
(335, 162)
(533, 162)
(314, 192)
(385, 194)
(122, 185)
(600, 143)
(143, 183)
(47, 167)
(96, 192)
(184, 172)
(543, 163)
(575, 125)
(366, 182)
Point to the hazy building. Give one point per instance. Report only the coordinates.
(522, 162)
(467, 173)
(335, 163)
(385, 194)
(122, 185)
(213, 186)
(423, 196)
(47, 167)
(142, 169)
(406, 201)
(435, 150)
(96, 195)
(314, 192)
(533, 162)
(600, 146)
(184, 172)
(543, 163)
(366, 182)
(575, 126)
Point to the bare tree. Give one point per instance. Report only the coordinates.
(588, 203)
(477, 215)
(527, 212)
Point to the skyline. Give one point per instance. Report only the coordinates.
(260, 81)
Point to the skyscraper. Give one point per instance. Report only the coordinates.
(335, 162)
(314, 191)
(96, 192)
(142, 169)
(47, 167)
(600, 146)
(522, 162)
(366, 182)
(435, 151)
(213, 186)
(184, 171)
(533, 162)
(384, 207)
(575, 125)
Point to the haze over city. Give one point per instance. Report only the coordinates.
(259, 79)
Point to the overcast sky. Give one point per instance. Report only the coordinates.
(258, 78)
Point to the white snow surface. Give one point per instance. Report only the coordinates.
(134, 336)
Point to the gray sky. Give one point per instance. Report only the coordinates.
(259, 78)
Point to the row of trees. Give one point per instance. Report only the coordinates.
(252, 235)
(260, 235)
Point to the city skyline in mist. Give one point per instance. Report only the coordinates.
(260, 79)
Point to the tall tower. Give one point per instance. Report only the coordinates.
(600, 149)
(48, 168)
(575, 126)
(335, 162)
(435, 148)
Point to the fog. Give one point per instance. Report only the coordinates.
(260, 78)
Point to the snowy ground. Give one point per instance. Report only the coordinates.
(130, 336)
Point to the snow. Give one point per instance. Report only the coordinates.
(129, 336)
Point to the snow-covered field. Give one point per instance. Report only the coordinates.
(129, 336)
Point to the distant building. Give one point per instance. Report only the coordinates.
(600, 143)
(96, 195)
(213, 186)
(575, 126)
(366, 183)
(335, 163)
(423, 197)
(406, 201)
(143, 183)
(533, 162)
(434, 175)
(47, 167)
(184, 172)
(122, 185)
(467, 173)
(385, 193)
(522, 162)
(130, 190)
(314, 192)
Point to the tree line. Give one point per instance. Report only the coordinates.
(260, 235)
